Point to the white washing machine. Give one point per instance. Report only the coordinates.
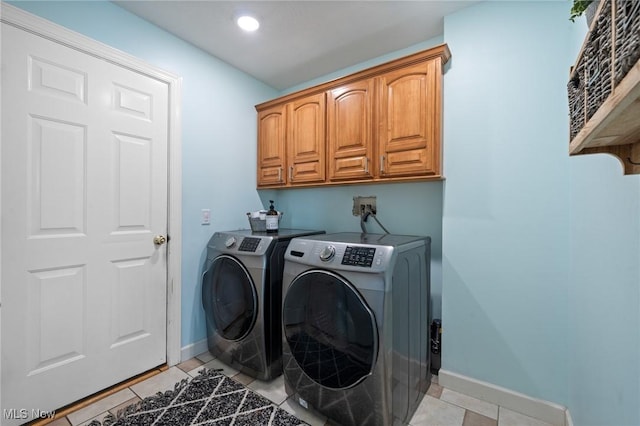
(355, 326)
(242, 298)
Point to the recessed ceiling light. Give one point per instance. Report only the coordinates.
(248, 23)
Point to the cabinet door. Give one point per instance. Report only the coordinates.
(306, 139)
(271, 146)
(409, 132)
(349, 126)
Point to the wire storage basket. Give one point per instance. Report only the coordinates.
(259, 224)
(610, 51)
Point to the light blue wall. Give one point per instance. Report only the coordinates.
(541, 251)
(408, 208)
(218, 130)
(604, 293)
(604, 290)
(506, 199)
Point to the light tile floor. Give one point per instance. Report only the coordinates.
(442, 407)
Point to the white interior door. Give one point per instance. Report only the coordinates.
(84, 192)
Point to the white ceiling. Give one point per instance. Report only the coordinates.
(298, 40)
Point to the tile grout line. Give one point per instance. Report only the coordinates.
(95, 398)
(278, 405)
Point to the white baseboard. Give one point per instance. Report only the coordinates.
(568, 421)
(537, 408)
(189, 351)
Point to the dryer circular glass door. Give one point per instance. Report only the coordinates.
(230, 297)
(330, 330)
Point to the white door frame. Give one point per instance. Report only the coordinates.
(41, 27)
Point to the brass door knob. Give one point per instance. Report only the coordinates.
(159, 240)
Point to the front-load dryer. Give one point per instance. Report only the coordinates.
(242, 299)
(355, 326)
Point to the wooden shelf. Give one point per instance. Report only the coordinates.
(604, 101)
(615, 127)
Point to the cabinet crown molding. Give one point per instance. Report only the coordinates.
(441, 51)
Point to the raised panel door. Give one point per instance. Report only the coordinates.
(306, 139)
(271, 146)
(84, 191)
(349, 126)
(409, 132)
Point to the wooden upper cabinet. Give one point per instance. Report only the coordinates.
(349, 127)
(271, 146)
(378, 125)
(306, 139)
(409, 123)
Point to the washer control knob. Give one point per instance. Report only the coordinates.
(327, 253)
(230, 242)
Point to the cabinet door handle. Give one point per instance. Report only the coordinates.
(382, 164)
(366, 165)
(291, 174)
(280, 174)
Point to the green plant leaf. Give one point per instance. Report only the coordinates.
(578, 8)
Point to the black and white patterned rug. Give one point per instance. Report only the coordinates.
(210, 399)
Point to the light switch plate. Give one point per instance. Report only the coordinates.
(206, 217)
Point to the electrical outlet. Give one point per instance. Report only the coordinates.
(362, 205)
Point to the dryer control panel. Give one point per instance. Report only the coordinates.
(224, 242)
(340, 256)
(249, 244)
(358, 256)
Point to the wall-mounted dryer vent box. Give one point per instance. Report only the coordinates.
(362, 205)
